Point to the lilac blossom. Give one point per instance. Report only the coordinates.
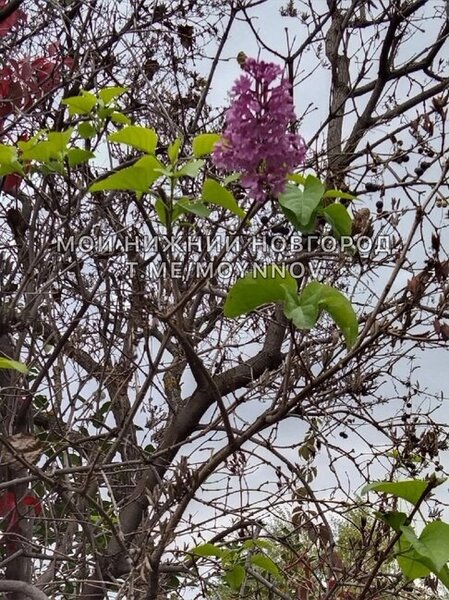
(256, 140)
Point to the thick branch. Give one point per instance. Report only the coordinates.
(340, 86)
(30, 591)
(185, 422)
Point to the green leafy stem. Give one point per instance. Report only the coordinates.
(304, 200)
(274, 283)
(417, 556)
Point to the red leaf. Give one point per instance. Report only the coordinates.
(31, 500)
(46, 73)
(54, 49)
(5, 107)
(68, 61)
(8, 23)
(11, 183)
(10, 93)
(4, 88)
(7, 503)
(26, 71)
(5, 73)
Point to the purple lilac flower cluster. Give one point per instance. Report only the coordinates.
(256, 140)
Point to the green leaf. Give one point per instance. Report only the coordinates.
(8, 363)
(119, 117)
(297, 178)
(42, 152)
(161, 210)
(80, 105)
(181, 207)
(98, 417)
(197, 208)
(8, 154)
(340, 309)
(131, 178)
(339, 194)
(53, 148)
(289, 202)
(208, 550)
(59, 140)
(265, 544)
(190, 169)
(204, 143)
(409, 561)
(105, 112)
(173, 150)
(304, 310)
(270, 284)
(337, 216)
(394, 519)
(432, 544)
(418, 557)
(140, 138)
(76, 156)
(153, 165)
(14, 167)
(173, 582)
(312, 196)
(265, 563)
(216, 194)
(235, 577)
(53, 167)
(304, 203)
(410, 490)
(315, 297)
(167, 171)
(138, 178)
(27, 144)
(415, 566)
(231, 178)
(86, 130)
(149, 449)
(40, 401)
(443, 576)
(109, 93)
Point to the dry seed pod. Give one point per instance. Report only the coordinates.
(362, 222)
(25, 445)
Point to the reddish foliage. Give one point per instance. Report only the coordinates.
(32, 501)
(45, 74)
(10, 510)
(5, 106)
(27, 80)
(11, 183)
(8, 23)
(9, 507)
(7, 503)
(331, 583)
(10, 92)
